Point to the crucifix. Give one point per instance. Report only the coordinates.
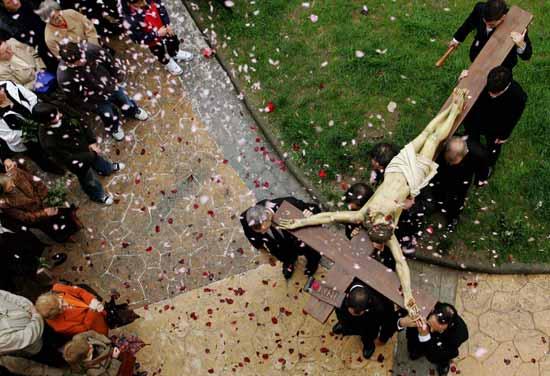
(405, 176)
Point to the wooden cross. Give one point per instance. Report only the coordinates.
(492, 55)
(352, 258)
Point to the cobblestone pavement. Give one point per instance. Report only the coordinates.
(174, 225)
(249, 324)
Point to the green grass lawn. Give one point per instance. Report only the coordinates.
(331, 105)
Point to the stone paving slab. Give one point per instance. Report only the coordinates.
(249, 324)
(440, 282)
(227, 119)
(508, 318)
(174, 225)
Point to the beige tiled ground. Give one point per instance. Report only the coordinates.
(249, 324)
(509, 322)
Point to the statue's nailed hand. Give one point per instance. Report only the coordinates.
(288, 224)
(414, 311)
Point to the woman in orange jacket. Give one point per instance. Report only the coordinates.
(71, 310)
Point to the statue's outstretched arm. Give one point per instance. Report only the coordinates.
(321, 219)
(402, 269)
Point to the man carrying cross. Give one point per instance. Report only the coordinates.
(485, 18)
(405, 176)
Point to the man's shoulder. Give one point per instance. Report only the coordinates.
(516, 90)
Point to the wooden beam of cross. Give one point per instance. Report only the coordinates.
(492, 55)
(351, 260)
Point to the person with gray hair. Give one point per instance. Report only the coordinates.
(262, 233)
(462, 161)
(64, 26)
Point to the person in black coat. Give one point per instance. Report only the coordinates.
(368, 314)
(485, 18)
(463, 161)
(497, 111)
(381, 155)
(75, 146)
(17, 128)
(438, 339)
(262, 233)
(354, 199)
(19, 20)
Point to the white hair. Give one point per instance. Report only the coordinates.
(46, 9)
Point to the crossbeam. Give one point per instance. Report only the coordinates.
(353, 258)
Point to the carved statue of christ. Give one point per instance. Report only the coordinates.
(407, 173)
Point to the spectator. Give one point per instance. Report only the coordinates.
(104, 14)
(18, 62)
(75, 147)
(91, 77)
(21, 251)
(149, 24)
(496, 112)
(355, 198)
(17, 128)
(262, 233)
(19, 20)
(95, 355)
(70, 310)
(462, 161)
(368, 314)
(381, 155)
(438, 339)
(22, 199)
(21, 329)
(21, 326)
(63, 26)
(484, 19)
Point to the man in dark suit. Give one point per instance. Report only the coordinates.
(438, 339)
(262, 233)
(354, 199)
(485, 18)
(497, 111)
(463, 161)
(368, 314)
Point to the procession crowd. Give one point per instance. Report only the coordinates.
(59, 73)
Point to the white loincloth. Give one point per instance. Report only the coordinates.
(417, 169)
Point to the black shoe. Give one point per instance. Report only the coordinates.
(311, 269)
(442, 369)
(288, 270)
(59, 258)
(338, 328)
(368, 351)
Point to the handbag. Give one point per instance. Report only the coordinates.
(45, 82)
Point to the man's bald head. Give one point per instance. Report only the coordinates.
(455, 150)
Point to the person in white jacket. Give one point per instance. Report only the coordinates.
(21, 328)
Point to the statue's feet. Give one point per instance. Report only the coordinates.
(459, 97)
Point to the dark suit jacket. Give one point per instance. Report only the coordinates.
(282, 244)
(475, 22)
(380, 317)
(496, 117)
(442, 347)
(451, 184)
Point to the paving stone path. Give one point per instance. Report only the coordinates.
(172, 245)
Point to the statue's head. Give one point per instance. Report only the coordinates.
(380, 227)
